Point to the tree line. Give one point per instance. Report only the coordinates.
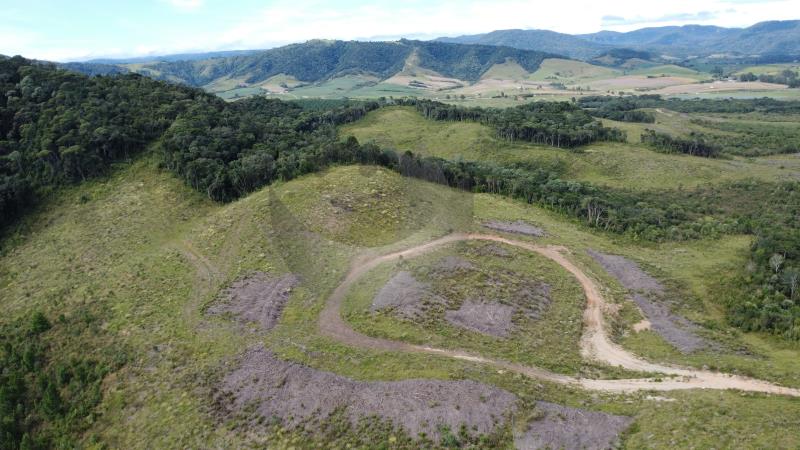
(556, 124)
(787, 77)
(694, 145)
(622, 109)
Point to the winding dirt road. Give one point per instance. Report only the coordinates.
(595, 343)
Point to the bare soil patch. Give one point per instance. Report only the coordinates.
(518, 227)
(405, 295)
(649, 295)
(450, 264)
(568, 428)
(258, 298)
(490, 318)
(264, 387)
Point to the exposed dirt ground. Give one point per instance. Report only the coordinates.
(490, 318)
(403, 294)
(518, 227)
(258, 298)
(450, 264)
(300, 395)
(563, 427)
(648, 293)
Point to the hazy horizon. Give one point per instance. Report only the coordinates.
(94, 29)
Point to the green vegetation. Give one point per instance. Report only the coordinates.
(557, 124)
(619, 109)
(55, 131)
(764, 299)
(45, 397)
(156, 252)
(736, 136)
(321, 60)
(615, 164)
(695, 145)
(787, 77)
(105, 284)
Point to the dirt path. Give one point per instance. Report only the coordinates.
(595, 343)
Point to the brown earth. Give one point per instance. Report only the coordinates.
(649, 294)
(302, 396)
(490, 318)
(518, 227)
(563, 427)
(404, 295)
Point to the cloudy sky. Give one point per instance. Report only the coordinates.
(75, 30)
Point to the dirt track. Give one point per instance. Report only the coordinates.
(595, 343)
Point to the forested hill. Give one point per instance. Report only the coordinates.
(58, 127)
(320, 60)
(765, 38)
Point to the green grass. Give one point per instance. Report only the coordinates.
(768, 69)
(632, 166)
(146, 254)
(670, 70)
(571, 72)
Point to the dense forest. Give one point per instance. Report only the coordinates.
(59, 128)
(694, 145)
(621, 109)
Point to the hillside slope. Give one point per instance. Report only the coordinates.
(133, 262)
(320, 60)
(538, 40)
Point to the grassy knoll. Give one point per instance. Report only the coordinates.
(630, 166)
(145, 254)
(551, 341)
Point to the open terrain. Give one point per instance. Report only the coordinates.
(180, 270)
(615, 164)
(166, 283)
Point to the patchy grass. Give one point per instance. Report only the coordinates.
(631, 166)
(551, 341)
(146, 255)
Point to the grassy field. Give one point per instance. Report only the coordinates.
(571, 72)
(146, 254)
(630, 166)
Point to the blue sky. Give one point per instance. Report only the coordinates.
(64, 30)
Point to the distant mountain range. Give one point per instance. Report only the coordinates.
(463, 59)
(321, 60)
(765, 38)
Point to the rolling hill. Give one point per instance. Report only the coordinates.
(321, 60)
